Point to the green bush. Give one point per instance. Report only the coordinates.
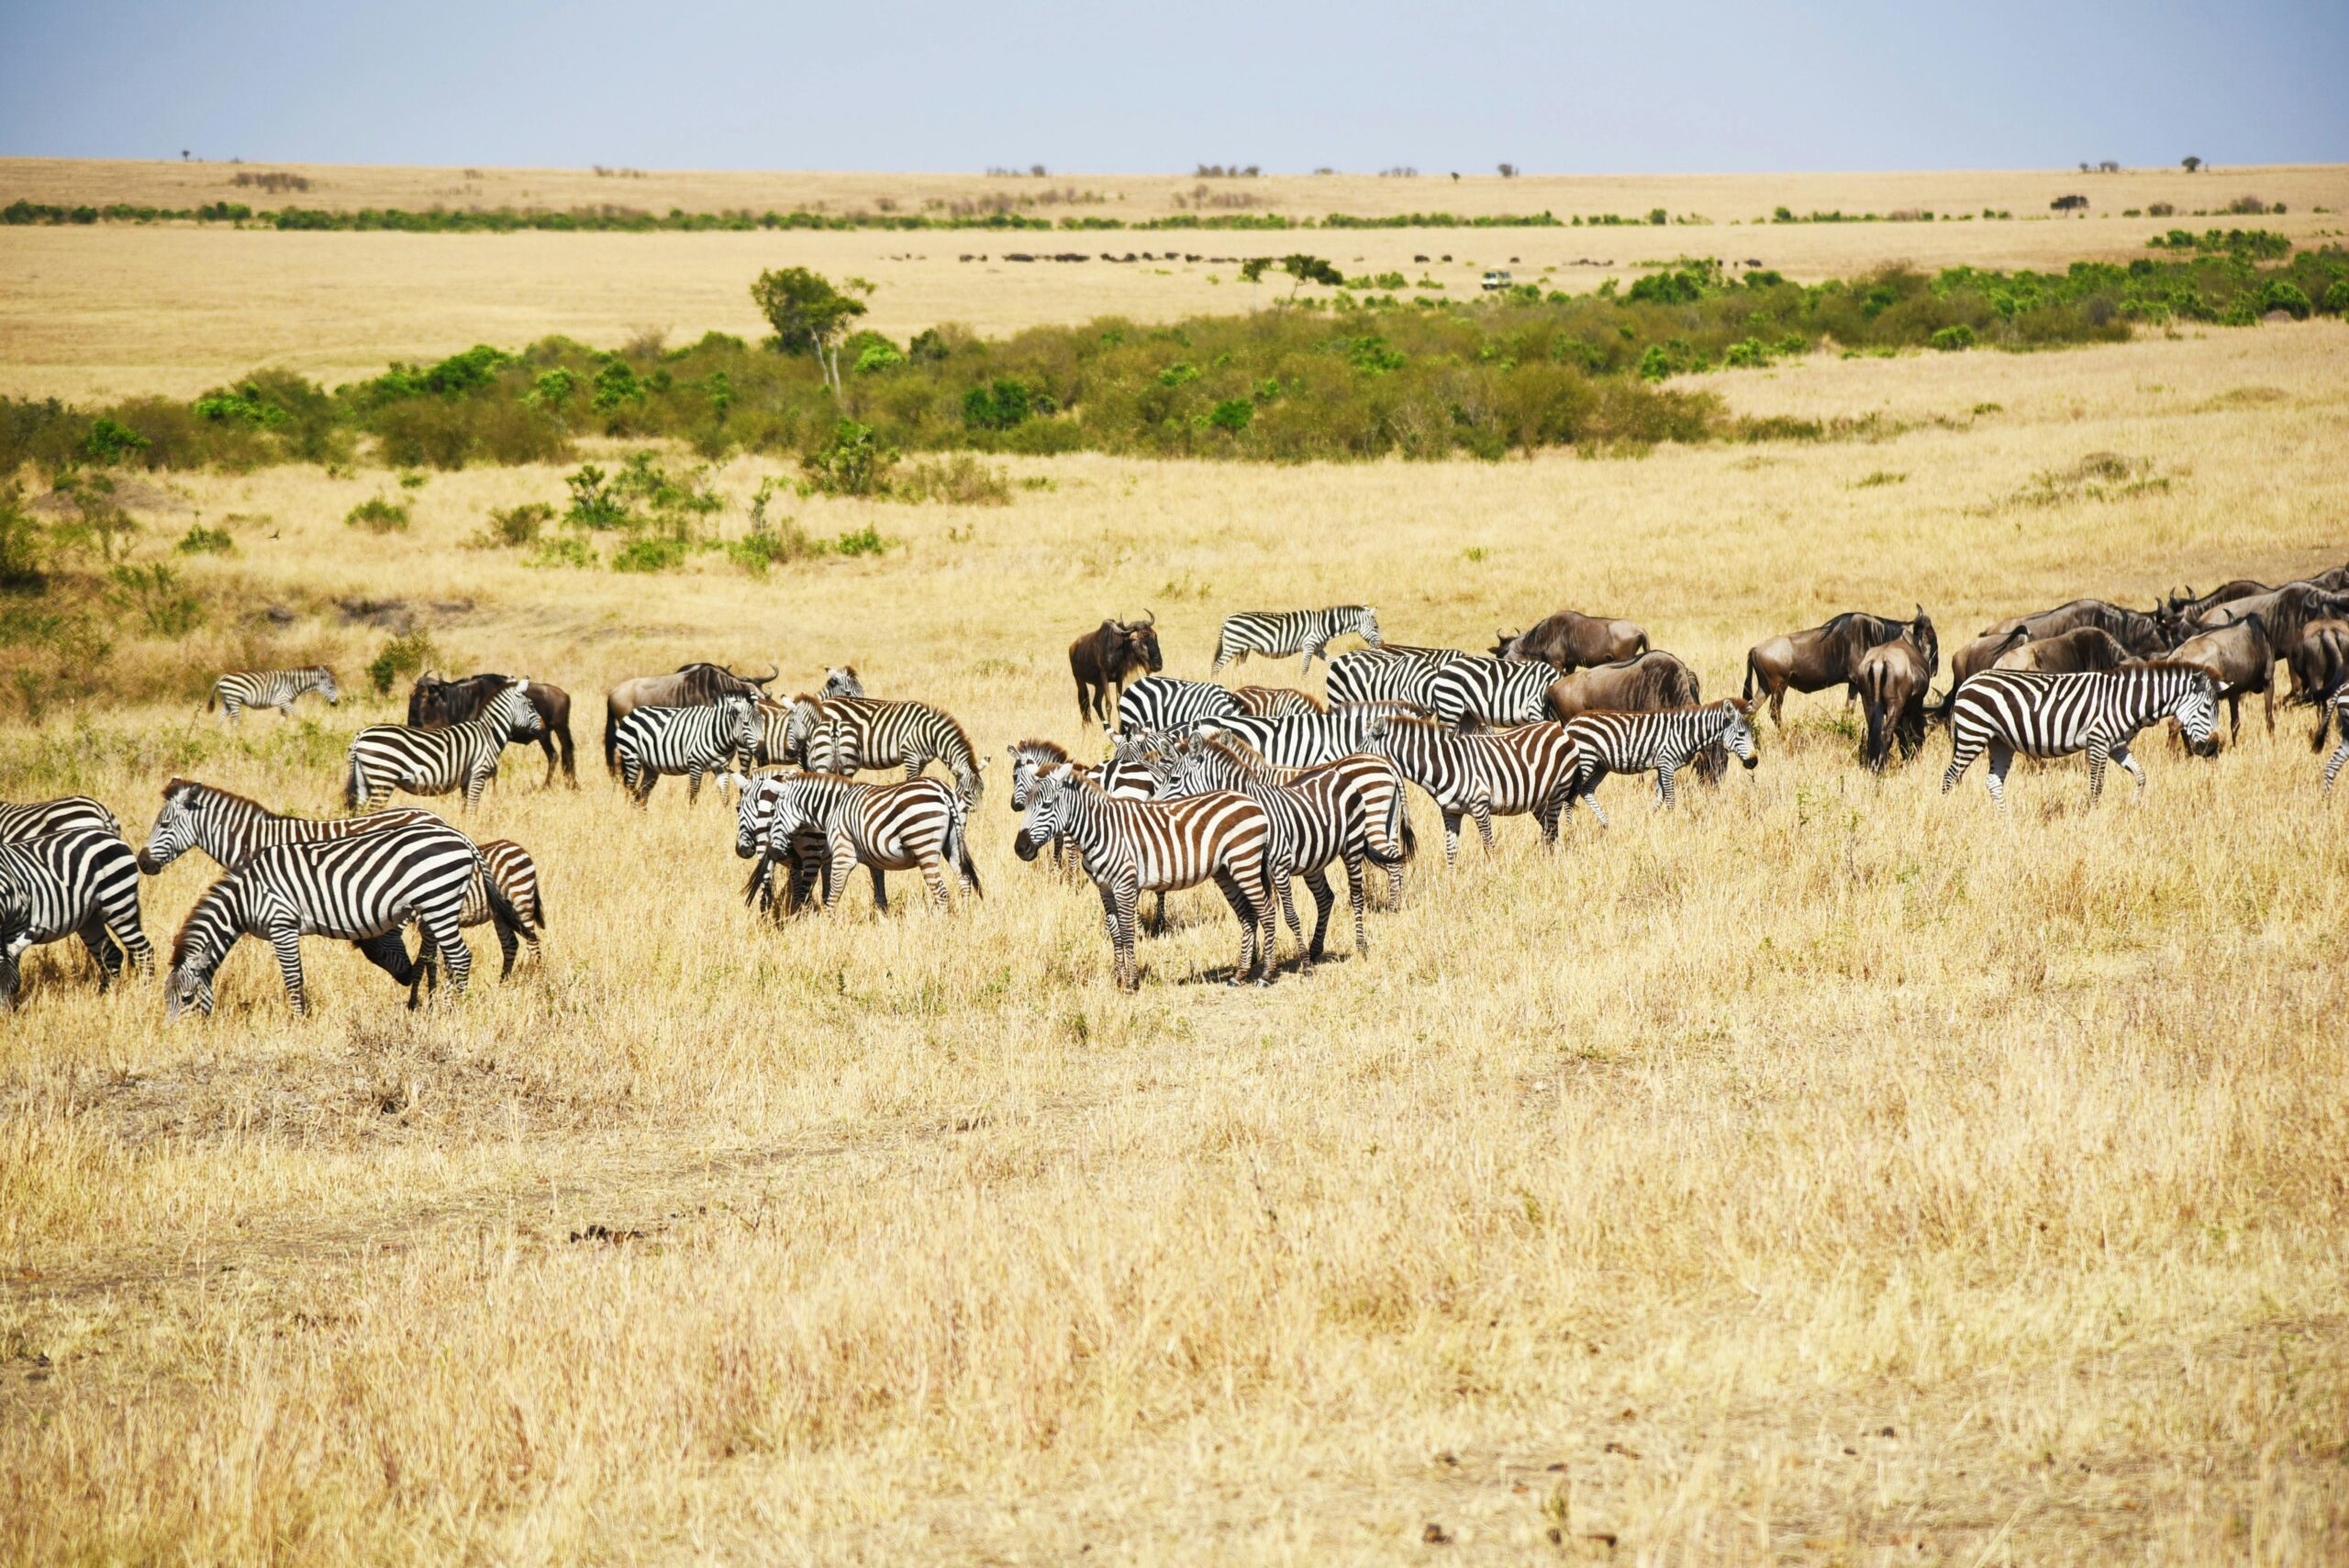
(595, 502)
(650, 554)
(377, 516)
(24, 543)
(153, 593)
(513, 527)
(852, 462)
(865, 541)
(2335, 298)
(1232, 414)
(201, 540)
(999, 407)
(109, 442)
(2288, 297)
(564, 550)
(400, 658)
(1951, 338)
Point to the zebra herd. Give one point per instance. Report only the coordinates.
(1248, 787)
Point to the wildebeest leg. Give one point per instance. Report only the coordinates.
(2268, 693)
(2234, 716)
(2003, 757)
(1778, 704)
(1324, 900)
(545, 744)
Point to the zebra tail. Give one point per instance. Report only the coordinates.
(211, 697)
(611, 744)
(500, 904)
(1410, 840)
(958, 845)
(350, 784)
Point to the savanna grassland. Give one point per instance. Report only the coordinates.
(1830, 1171)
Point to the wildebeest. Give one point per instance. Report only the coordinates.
(2241, 657)
(1652, 682)
(1103, 657)
(2288, 611)
(435, 701)
(1827, 655)
(2082, 647)
(2145, 633)
(2190, 607)
(2319, 663)
(1572, 641)
(1984, 652)
(1892, 679)
(688, 686)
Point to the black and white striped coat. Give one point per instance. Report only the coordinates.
(385, 757)
(232, 829)
(363, 889)
(1350, 810)
(240, 689)
(1127, 846)
(1529, 770)
(2336, 709)
(1156, 704)
(852, 735)
(1309, 740)
(1276, 702)
(652, 742)
(1389, 675)
(40, 818)
(80, 882)
(1278, 633)
(2042, 714)
(919, 825)
(1473, 690)
(1664, 741)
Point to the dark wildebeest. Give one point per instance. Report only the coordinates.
(2241, 657)
(1572, 641)
(2079, 651)
(2287, 610)
(688, 686)
(2319, 663)
(2190, 607)
(1824, 656)
(1652, 681)
(1892, 679)
(1982, 652)
(1102, 658)
(436, 701)
(2145, 633)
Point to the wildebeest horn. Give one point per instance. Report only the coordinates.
(760, 680)
(1152, 617)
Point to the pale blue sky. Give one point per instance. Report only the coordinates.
(1689, 86)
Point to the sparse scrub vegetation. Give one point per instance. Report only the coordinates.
(378, 515)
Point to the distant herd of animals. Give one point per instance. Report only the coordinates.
(1247, 786)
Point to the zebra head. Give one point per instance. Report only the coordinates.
(1047, 812)
(752, 812)
(327, 688)
(738, 723)
(1368, 626)
(173, 834)
(2197, 709)
(512, 711)
(841, 683)
(1738, 733)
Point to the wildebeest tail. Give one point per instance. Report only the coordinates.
(1872, 699)
(611, 742)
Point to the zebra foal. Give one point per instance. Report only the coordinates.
(1664, 741)
(80, 882)
(240, 689)
(385, 757)
(1131, 846)
(1278, 633)
(2043, 715)
(363, 889)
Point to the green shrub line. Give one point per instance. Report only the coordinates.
(1329, 378)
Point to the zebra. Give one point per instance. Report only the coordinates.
(364, 889)
(1124, 776)
(1277, 702)
(1307, 740)
(1127, 846)
(1471, 690)
(231, 830)
(1389, 673)
(42, 817)
(695, 741)
(1158, 703)
(385, 757)
(2042, 714)
(1349, 811)
(1278, 633)
(918, 825)
(2336, 709)
(240, 689)
(1510, 772)
(849, 735)
(80, 882)
(1666, 740)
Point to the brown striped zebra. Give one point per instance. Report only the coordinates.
(1277, 702)
(918, 825)
(1131, 846)
(240, 689)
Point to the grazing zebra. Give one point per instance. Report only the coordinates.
(1309, 740)
(80, 882)
(42, 817)
(851, 735)
(1349, 811)
(1388, 674)
(1127, 846)
(240, 689)
(364, 889)
(918, 825)
(1159, 702)
(1278, 633)
(232, 829)
(1508, 772)
(1470, 691)
(653, 741)
(1666, 740)
(2044, 715)
(1277, 702)
(385, 757)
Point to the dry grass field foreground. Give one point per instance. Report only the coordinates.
(113, 311)
(1829, 1171)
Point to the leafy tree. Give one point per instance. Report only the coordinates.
(1301, 268)
(2068, 203)
(809, 314)
(2190, 164)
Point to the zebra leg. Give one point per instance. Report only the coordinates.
(1482, 806)
(1664, 775)
(1451, 839)
(229, 709)
(1251, 923)
(287, 940)
(2003, 757)
(1157, 915)
(2333, 764)
(1355, 895)
(693, 783)
(1120, 897)
(92, 932)
(441, 929)
(508, 943)
(2122, 754)
(880, 889)
(837, 864)
(1324, 900)
(2099, 749)
(1963, 748)
(933, 872)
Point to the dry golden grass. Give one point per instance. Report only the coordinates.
(116, 311)
(1830, 1172)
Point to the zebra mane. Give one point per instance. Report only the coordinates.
(1232, 750)
(178, 786)
(1048, 752)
